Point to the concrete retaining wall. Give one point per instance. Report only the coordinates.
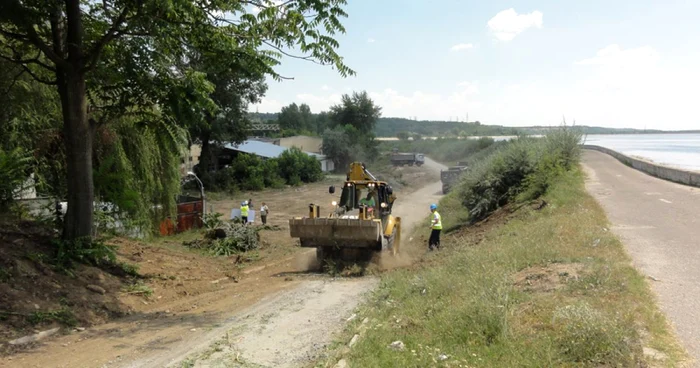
(663, 172)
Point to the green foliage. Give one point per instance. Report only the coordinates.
(472, 301)
(589, 336)
(351, 134)
(250, 172)
(390, 127)
(64, 316)
(83, 250)
(357, 110)
(296, 118)
(138, 288)
(238, 238)
(13, 170)
(522, 169)
(137, 167)
(161, 64)
(129, 269)
(212, 220)
(296, 167)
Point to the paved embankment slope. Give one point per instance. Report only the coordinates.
(659, 223)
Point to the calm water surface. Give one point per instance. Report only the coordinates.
(677, 150)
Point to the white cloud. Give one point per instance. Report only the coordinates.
(461, 46)
(371, 40)
(471, 88)
(267, 105)
(507, 24)
(613, 67)
(614, 56)
(318, 103)
(325, 88)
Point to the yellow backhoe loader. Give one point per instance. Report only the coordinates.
(357, 226)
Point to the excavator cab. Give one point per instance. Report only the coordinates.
(360, 219)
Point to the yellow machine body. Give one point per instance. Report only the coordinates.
(349, 223)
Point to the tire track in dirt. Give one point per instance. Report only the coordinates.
(258, 319)
(295, 326)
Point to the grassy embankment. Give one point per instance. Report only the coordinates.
(537, 287)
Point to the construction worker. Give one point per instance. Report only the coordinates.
(244, 212)
(263, 213)
(436, 227)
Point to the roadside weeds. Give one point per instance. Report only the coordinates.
(547, 285)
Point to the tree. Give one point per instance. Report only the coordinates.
(296, 119)
(403, 136)
(290, 118)
(321, 122)
(236, 85)
(352, 136)
(338, 147)
(357, 110)
(118, 49)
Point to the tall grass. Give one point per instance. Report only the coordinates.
(468, 309)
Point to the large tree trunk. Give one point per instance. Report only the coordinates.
(78, 135)
(206, 159)
(78, 140)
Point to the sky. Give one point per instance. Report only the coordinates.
(614, 63)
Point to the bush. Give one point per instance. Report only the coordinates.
(521, 169)
(588, 336)
(13, 167)
(296, 167)
(250, 172)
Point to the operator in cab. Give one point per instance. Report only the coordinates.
(368, 201)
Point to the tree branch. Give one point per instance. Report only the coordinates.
(307, 57)
(31, 37)
(14, 80)
(29, 71)
(17, 58)
(113, 32)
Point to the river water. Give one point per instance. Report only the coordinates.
(676, 150)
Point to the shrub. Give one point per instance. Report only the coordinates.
(588, 336)
(521, 169)
(296, 166)
(13, 167)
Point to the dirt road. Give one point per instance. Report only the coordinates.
(659, 223)
(293, 327)
(273, 316)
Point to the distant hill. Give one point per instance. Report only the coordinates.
(389, 127)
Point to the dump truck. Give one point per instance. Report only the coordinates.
(451, 176)
(403, 158)
(357, 225)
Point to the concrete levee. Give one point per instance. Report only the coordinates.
(660, 171)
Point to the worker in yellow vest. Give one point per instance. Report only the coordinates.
(244, 212)
(436, 227)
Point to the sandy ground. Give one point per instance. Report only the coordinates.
(293, 327)
(658, 222)
(253, 312)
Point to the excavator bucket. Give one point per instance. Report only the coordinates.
(337, 232)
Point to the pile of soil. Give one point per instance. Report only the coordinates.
(34, 295)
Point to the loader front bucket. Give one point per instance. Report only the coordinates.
(337, 232)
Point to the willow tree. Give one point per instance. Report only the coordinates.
(77, 45)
